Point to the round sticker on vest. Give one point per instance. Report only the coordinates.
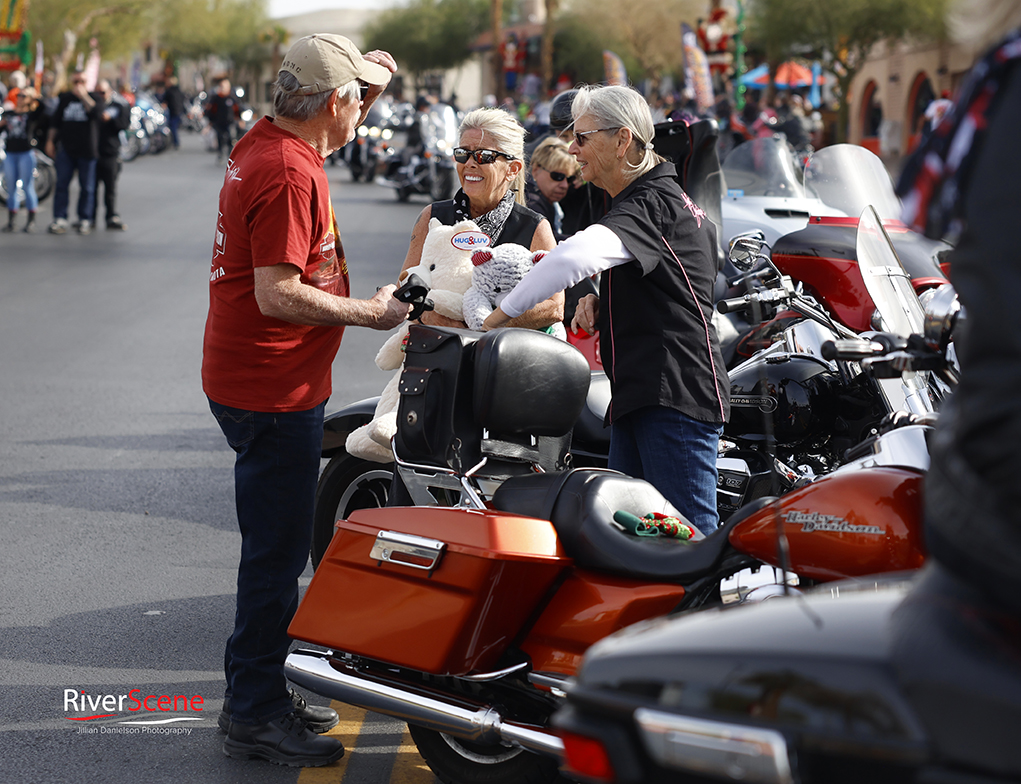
(470, 240)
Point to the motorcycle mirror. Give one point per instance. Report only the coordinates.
(745, 249)
(942, 311)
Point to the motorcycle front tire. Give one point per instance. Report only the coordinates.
(403, 193)
(346, 484)
(456, 761)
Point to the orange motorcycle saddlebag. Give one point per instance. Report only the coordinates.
(433, 589)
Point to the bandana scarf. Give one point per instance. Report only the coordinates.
(937, 172)
(492, 222)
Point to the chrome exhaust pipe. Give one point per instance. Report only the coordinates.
(414, 703)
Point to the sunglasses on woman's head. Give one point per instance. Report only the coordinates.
(579, 137)
(482, 157)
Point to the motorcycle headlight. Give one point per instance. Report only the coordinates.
(387, 133)
(363, 131)
(247, 114)
(374, 132)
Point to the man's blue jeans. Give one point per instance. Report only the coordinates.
(66, 167)
(275, 476)
(674, 453)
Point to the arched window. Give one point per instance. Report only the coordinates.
(921, 96)
(871, 113)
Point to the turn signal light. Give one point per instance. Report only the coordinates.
(587, 757)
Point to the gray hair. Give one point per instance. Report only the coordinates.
(289, 102)
(508, 137)
(613, 106)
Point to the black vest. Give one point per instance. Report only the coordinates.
(519, 228)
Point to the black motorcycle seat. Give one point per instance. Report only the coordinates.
(581, 504)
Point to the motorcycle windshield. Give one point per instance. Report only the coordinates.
(849, 178)
(886, 280)
(763, 167)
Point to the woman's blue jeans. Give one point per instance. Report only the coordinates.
(21, 166)
(674, 453)
(275, 476)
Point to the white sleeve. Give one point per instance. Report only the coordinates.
(580, 256)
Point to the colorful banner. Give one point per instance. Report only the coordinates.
(696, 69)
(614, 68)
(15, 42)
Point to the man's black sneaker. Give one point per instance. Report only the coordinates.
(318, 719)
(285, 741)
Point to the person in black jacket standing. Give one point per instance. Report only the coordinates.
(656, 250)
(223, 112)
(174, 100)
(75, 125)
(115, 118)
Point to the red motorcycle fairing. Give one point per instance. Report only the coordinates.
(587, 607)
(847, 524)
(823, 256)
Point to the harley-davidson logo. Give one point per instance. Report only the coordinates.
(764, 403)
(813, 521)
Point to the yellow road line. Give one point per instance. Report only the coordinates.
(408, 767)
(347, 732)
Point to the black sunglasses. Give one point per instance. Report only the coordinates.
(558, 176)
(363, 90)
(482, 157)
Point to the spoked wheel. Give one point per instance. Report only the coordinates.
(347, 483)
(456, 761)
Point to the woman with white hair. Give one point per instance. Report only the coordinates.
(657, 252)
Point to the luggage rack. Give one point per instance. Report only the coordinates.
(420, 480)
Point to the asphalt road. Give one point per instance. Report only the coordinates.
(120, 544)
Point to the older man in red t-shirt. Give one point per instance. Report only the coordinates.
(278, 304)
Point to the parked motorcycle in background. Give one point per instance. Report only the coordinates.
(429, 168)
(370, 151)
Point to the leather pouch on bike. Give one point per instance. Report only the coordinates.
(435, 421)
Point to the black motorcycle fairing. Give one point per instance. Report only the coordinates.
(896, 678)
(338, 425)
(797, 391)
(816, 669)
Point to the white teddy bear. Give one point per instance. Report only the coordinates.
(446, 269)
(495, 271)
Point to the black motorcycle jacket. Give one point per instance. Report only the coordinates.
(973, 496)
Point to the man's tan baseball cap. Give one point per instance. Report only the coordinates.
(326, 61)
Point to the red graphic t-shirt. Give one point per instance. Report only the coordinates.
(274, 209)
